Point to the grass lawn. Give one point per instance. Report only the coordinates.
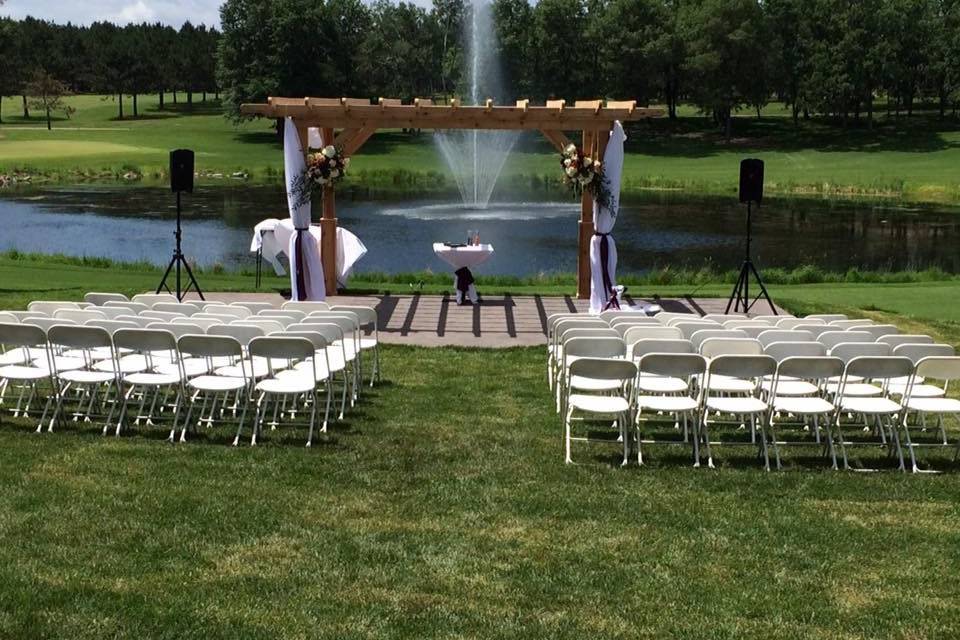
(913, 158)
(441, 508)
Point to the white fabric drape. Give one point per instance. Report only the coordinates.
(604, 219)
(275, 236)
(265, 240)
(306, 270)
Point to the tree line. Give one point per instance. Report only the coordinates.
(42, 60)
(823, 57)
(833, 58)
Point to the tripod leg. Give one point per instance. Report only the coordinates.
(763, 289)
(737, 295)
(192, 279)
(166, 274)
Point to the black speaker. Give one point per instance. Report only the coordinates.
(751, 180)
(181, 170)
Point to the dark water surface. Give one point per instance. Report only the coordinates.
(654, 229)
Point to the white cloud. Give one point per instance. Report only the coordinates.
(136, 12)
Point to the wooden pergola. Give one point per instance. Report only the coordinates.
(356, 119)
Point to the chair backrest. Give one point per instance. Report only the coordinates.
(673, 322)
(723, 318)
(112, 313)
(895, 340)
(317, 338)
(79, 337)
(140, 321)
(666, 316)
(219, 317)
(8, 318)
(690, 328)
(827, 317)
(203, 323)
(186, 308)
(847, 351)
(26, 315)
(604, 369)
(554, 318)
(946, 368)
(632, 334)
(253, 307)
(304, 306)
(151, 299)
(810, 367)
(633, 321)
(879, 368)
(79, 315)
(269, 326)
(145, 340)
(754, 332)
(227, 310)
(282, 347)
(165, 316)
(207, 346)
(779, 351)
(746, 324)
(568, 325)
(784, 335)
(645, 347)
(595, 348)
(830, 339)
(178, 330)
(843, 325)
(292, 314)
(790, 323)
(880, 330)
(98, 298)
(133, 307)
(46, 323)
(589, 333)
(242, 333)
(49, 306)
(22, 335)
(699, 337)
(111, 326)
(328, 330)
(365, 315)
(674, 365)
(813, 329)
(613, 316)
(773, 320)
(917, 352)
(742, 366)
(715, 347)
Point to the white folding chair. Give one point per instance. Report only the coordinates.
(367, 316)
(699, 337)
(827, 317)
(681, 401)
(253, 307)
(9, 318)
(854, 386)
(162, 316)
(799, 387)
(150, 299)
(287, 316)
(350, 326)
(203, 323)
(881, 408)
(564, 322)
(237, 313)
(150, 382)
(141, 321)
(789, 324)
(845, 325)
(589, 347)
(319, 364)
(132, 307)
(49, 307)
(90, 384)
(97, 298)
(747, 324)
(880, 330)
(784, 335)
(334, 358)
(80, 316)
(748, 368)
(213, 387)
(269, 326)
(724, 317)
(945, 369)
(897, 339)
(288, 387)
(30, 373)
(830, 339)
(304, 306)
(812, 370)
(112, 313)
(185, 308)
(601, 372)
(690, 328)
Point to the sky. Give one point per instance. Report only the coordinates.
(172, 12)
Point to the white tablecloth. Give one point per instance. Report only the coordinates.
(459, 257)
(273, 237)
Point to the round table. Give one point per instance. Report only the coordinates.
(461, 258)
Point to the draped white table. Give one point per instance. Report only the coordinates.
(463, 258)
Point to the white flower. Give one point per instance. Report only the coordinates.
(571, 171)
(333, 162)
(345, 161)
(334, 173)
(329, 151)
(596, 166)
(566, 162)
(571, 149)
(587, 162)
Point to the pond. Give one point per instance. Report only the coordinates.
(654, 229)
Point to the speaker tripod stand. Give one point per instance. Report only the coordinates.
(740, 296)
(177, 262)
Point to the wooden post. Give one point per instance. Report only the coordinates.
(328, 229)
(586, 230)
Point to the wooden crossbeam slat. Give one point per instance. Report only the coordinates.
(556, 138)
(353, 145)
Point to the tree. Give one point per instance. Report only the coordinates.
(47, 93)
(633, 60)
(561, 60)
(246, 63)
(727, 48)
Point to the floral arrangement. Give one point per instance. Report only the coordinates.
(324, 169)
(583, 172)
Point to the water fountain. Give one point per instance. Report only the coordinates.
(476, 158)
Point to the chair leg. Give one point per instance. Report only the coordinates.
(625, 434)
(566, 425)
(313, 417)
